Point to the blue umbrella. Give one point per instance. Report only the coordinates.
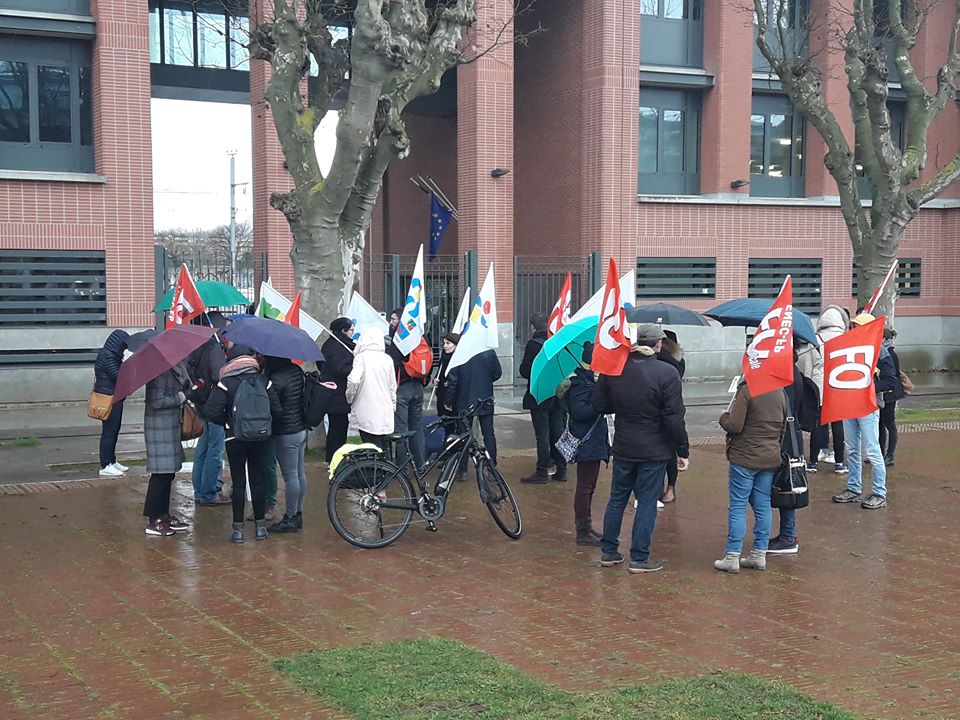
(748, 312)
(272, 337)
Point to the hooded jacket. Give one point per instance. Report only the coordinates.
(530, 352)
(583, 416)
(372, 386)
(831, 323)
(755, 428)
(288, 381)
(107, 366)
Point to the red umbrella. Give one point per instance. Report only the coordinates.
(158, 355)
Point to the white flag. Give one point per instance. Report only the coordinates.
(410, 330)
(364, 316)
(628, 297)
(463, 315)
(481, 333)
(274, 305)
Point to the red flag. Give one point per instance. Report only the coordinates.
(292, 315)
(875, 298)
(186, 303)
(768, 362)
(560, 315)
(612, 348)
(849, 364)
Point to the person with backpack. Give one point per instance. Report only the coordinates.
(105, 371)
(413, 371)
(372, 389)
(203, 366)
(244, 402)
(547, 416)
(289, 432)
(470, 383)
(888, 413)
(337, 364)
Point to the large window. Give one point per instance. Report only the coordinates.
(776, 148)
(671, 32)
(46, 105)
(785, 25)
(668, 158)
(198, 35)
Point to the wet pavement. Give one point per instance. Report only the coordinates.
(99, 621)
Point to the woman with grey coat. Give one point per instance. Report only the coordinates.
(161, 430)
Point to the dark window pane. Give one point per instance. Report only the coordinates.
(211, 40)
(648, 7)
(53, 103)
(756, 144)
(14, 102)
(239, 37)
(671, 138)
(86, 105)
(154, 35)
(648, 139)
(177, 36)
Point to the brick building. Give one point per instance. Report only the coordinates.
(647, 130)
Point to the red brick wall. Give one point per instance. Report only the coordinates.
(116, 217)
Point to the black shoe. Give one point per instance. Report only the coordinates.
(286, 524)
(560, 475)
(261, 530)
(779, 546)
(611, 560)
(237, 536)
(538, 478)
(888, 461)
(299, 518)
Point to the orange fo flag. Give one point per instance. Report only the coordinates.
(560, 315)
(768, 362)
(186, 303)
(849, 365)
(612, 348)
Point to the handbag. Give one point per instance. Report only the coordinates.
(568, 444)
(99, 406)
(906, 383)
(789, 490)
(191, 425)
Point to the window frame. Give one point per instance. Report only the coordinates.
(673, 42)
(158, 55)
(687, 181)
(763, 184)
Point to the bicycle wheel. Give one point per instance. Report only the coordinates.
(356, 502)
(499, 500)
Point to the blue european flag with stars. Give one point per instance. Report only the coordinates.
(439, 219)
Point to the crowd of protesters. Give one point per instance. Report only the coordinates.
(376, 392)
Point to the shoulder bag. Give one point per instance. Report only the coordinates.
(789, 491)
(99, 406)
(191, 426)
(568, 444)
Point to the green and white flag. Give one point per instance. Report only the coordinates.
(274, 305)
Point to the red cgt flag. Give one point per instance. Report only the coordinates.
(849, 364)
(612, 348)
(186, 303)
(768, 362)
(560, 315)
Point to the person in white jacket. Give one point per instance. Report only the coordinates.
(833, 322)
(372, 389)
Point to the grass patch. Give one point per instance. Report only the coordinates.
(20, 442)
(443, 679)
(926, 415)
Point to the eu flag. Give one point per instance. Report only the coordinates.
(439, 219)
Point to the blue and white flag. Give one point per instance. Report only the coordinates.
(439, 219)
(410, 330)
(481, 333)
(364, 316)
(463, 316)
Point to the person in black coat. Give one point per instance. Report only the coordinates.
(547, 417)
(441, 381)
(672, 354)
(888, 413)
(105, 371)
(590, 427)
(649, 430)
(289, 439)
(785, 543)
(337, 364)
(469, 384)
(203, 366)
(243, 454)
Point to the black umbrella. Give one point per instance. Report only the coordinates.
(666, 314)
(138, 340)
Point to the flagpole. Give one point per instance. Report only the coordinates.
(446, 200)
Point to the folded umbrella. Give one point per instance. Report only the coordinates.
(272, 337)
(666, 314)
(213, 294)
(560, 356)
(157, 355)
(749, 312)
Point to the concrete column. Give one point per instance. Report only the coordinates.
(610, 102)
(484, 142)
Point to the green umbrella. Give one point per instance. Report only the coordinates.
(213, 294)
(560, 356)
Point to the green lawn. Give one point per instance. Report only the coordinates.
(910, 416)
(20, 442)
(445, 680)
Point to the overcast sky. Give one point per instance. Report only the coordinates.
(191, 168)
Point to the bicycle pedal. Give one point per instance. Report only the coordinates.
(431, 528)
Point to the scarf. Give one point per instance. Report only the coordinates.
(239, 364)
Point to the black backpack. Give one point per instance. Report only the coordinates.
(317, 395)
(251, 418)
(809, 416)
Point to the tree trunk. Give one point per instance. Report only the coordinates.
(873, 260)
(323, 265)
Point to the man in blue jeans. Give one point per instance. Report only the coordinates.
(862, 436)
(203, 366)
(649, 430)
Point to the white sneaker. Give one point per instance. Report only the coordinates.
(830, 458)
(822, 457)
(660, 505)
(121, 468)
(110, 471)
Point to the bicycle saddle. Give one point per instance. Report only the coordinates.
(402, 435)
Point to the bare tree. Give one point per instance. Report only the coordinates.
(397, 50)
(874, 32)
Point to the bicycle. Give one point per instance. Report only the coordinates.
(372, 501)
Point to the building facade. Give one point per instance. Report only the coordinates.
(649, 131)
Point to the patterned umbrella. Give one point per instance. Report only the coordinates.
(158, 355)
